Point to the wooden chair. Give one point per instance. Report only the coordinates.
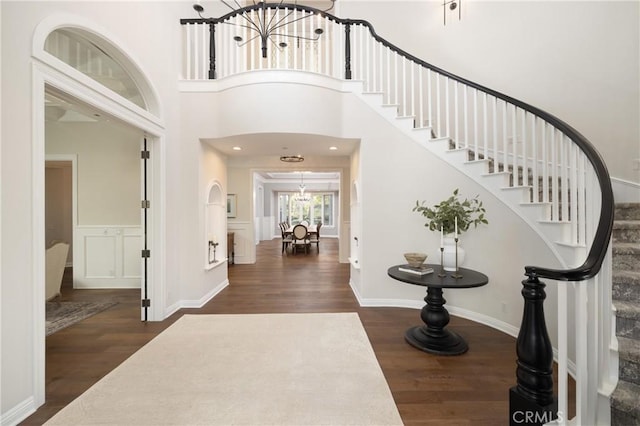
(286, 239)
(300, 239)
(315, 237)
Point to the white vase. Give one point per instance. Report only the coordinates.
(449, 253)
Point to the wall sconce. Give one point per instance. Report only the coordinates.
(452, 5)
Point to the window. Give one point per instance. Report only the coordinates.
(76, 49)
(319, 208)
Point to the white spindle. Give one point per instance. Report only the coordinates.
(388, 76)
(466, 117)
(574, 198)
(421, 96)
(381, 67)
(494, 106)
(372, 65)
(582, 348)
(525, 169)
(514, 151)
(447, 112)
(485, 126)
(544, 165)
(534, 160)
(295, 39)
(404, 86)
(564, 182)
(555, 190)
(456, 114)
(367, 64)
(189, 51)
(438, 105)
(476, 136)
(582, 198)
(413, 91)
(563, 351)
(196, 52)
(396, 80)
(505, 142)
(430, 101)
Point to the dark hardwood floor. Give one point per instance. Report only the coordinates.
(471, 389)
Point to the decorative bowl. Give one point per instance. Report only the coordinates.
(415, 259)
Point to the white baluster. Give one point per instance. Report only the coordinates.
(404, 86)
(188, 50)
(438, 122)
(421, 95)
(430, 101)
(446, 107)
(456, 114)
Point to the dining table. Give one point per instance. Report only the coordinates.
(311, 229)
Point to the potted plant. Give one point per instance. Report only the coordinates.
(442, 216)
(451, 217)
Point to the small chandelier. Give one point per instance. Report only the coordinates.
(266, 27)
(302, 196)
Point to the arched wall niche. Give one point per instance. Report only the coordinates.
(215, 226)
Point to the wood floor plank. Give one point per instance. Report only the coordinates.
(471, 389)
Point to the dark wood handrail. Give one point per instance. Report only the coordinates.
(600, 243)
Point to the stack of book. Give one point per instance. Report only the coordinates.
(416, 270)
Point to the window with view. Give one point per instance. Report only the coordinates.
(318, 208)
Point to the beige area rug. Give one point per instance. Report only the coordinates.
(263, 369)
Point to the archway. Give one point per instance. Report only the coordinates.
(56, 75)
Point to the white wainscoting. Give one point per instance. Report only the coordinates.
(107, 257)
(245, 250)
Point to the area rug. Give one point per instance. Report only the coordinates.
(262, 369)
(60, 315)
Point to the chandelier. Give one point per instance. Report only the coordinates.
(265, 26)
(302, 196)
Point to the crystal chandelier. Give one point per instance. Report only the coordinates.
(302, 196)
(266, 25)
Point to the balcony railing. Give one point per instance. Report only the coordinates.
(556, 165)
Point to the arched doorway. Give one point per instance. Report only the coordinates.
(122, 93)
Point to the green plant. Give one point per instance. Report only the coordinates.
(442, 215)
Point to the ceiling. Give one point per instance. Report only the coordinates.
(266, 144)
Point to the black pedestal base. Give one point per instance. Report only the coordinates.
(523, 411)
(444, 342)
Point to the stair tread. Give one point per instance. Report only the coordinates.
(627, 309)
(626, 224)
(629, 349)
(626, 248)
(625, 397)
(626, 277)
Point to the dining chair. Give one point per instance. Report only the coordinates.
(300, 239)
(315, 237)
(286, 239)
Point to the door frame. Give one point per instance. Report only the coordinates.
(46, 76)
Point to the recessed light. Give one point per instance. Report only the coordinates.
(237, 148)
(333, 148)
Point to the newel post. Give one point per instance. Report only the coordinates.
(531, 401)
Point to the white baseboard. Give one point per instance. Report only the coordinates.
(194, 304)
(18, 413)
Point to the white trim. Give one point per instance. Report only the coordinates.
(37, 238)
(625, 191)
(107, 42)
(44, 73)
(19, 412)
(194, 304)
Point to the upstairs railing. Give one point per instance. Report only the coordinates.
(537, 151)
